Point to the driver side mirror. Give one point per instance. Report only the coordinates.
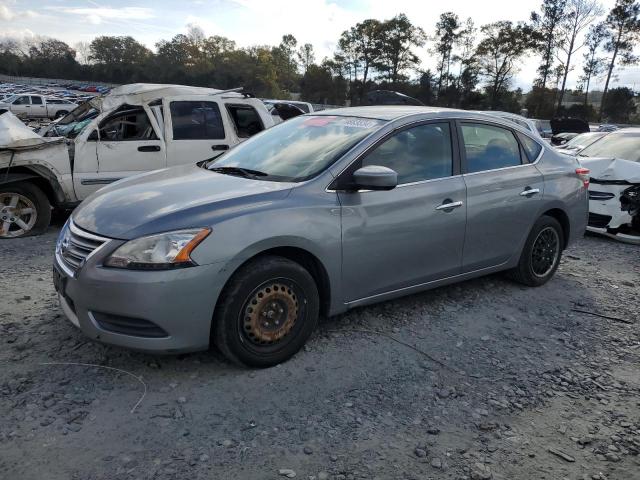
(375, 177)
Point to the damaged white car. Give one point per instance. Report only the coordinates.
(614, 189)
(135, 128)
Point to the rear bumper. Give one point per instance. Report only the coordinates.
(159, 312)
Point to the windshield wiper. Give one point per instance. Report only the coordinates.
(243, 172)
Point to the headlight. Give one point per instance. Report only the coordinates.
(158, 252)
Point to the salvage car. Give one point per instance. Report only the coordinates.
(135, 128)
(614, 192)
(580, 142)
(37, 106)
(317, 215)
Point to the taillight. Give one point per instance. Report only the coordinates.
(583, 174)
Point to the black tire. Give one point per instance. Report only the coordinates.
(538, 263)
(295, 302)
(39, 200)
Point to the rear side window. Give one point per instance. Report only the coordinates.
(531, 148)
(416, 154)
(488, 147)
(36, 100)
(196, 120)
(246, 120)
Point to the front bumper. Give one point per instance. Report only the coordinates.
(154, 311)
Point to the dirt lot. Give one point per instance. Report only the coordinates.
(482, 380)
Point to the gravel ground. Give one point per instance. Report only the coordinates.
(485, 379)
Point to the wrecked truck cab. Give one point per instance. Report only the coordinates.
(133, 129)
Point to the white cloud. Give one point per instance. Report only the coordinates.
(98, 15)
(7, 14)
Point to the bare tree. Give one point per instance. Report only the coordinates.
(83, 51)
(593, 64)
(579, 14)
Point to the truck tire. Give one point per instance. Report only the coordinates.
(24, 210)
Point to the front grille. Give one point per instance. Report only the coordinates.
(599, 221)
(75, 246)
(136, 327)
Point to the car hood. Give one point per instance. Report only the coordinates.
(612, 169)
(172, 199)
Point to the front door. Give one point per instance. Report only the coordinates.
(414, 233)
(504, 193)
(128, 143)
(21, 106)
(196, 130)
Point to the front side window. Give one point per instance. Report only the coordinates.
(196, 120)
(416, 154)
(245, 119)
(130, 124)
(24, 100)
(488, 147)
(297, 149)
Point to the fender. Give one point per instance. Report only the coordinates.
(36, 172)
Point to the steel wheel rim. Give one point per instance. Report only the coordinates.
(544, 254)
(272, 312)
(18, 215)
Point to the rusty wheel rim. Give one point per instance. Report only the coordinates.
(270, 313)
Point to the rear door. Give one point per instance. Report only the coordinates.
(504, 193)
(129, 142)
(38, 106)
(196, 128)
(414, 233)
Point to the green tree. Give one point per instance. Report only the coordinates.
(306, 56)
(499, 51)
(623, 31)
(546, 25)
(579, 14)
(593, 64)
(398, 38)
(446, 36)
(619, 105)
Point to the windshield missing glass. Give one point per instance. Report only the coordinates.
(297, 149)
(625, 146)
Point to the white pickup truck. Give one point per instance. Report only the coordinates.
(135, 128)
(31, 105)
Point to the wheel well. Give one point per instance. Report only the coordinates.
(36, 179)
(563, 219)
(311, 263)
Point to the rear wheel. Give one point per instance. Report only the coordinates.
(541, 254)
(24, 210)
(266, 312)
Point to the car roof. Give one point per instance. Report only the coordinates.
(394, 112)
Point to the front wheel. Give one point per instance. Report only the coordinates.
(60, 114)
(266, 312)
(24, 210)
(541, 254)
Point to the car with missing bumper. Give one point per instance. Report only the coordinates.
(319, 214)
(614, 192)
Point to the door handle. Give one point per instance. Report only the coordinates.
(219, 147)
(529, 191)
(448, 206)
(149, 148)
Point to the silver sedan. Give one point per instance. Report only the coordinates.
(320, 214)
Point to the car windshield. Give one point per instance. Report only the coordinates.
(616, 145)
(584, 139)
(10, 98)
(298, 149)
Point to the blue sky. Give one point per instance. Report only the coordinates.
(251, 22)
